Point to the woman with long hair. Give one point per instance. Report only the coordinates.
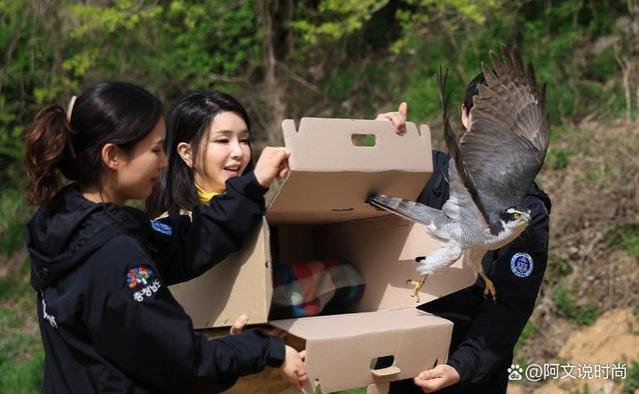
(208, 142)
(101, 269)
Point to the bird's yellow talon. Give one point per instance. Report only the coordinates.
(416, 285)
(490, 289)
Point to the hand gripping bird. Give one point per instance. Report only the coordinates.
(490, 169)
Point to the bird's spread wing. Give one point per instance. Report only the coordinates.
(460, 205)
(463, 204)
(508, 138)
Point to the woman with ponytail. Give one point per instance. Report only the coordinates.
(101, 269)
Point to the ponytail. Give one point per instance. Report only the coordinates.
(48, 144)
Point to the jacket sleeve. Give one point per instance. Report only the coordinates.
(435, 193)
(185, 247)
(517, 272)
(137, 325)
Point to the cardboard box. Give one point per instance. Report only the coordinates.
(320, 211)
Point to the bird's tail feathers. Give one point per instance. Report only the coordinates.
(399, 206)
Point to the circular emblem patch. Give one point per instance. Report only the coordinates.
(521, 264)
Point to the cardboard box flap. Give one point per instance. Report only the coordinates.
(351, 325)
(342, 350)
(384, 250)
(330, 145)
(333, 172)
(212, 300)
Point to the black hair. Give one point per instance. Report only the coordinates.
(472, 89)
(108, 112)
(188, 121)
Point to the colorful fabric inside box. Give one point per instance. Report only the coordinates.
(306, 289)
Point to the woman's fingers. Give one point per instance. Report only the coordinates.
(239, 324)
(398, 118)
(273, 162)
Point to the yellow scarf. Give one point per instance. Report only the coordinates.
(203, 195)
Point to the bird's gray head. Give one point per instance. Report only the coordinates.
(514, 218)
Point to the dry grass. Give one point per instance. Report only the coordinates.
(592, 177)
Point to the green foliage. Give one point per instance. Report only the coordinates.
(557, 158)
(213, 37)
(334, 19)
(353, 391)
(21, 363)
(587, 314)
(340, 87)
(630, 240)
(12, 238)
(631, 384)
(13, 212)
(16, 286)
(332, 58)
(25, 55)
(356, 55)
(8, 320)
(559, 269)
(419, 13)
(12, 205)
(627, 236)
(529, 330)
(21, 354)
(595, 172)
(567, 306)
(550, 35)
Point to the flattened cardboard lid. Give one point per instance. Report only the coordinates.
(332, 174)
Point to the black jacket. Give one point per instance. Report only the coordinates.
(107, 319)
(486, 331)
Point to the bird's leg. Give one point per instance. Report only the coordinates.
(490, 287)
(416, 286)
(427, 265)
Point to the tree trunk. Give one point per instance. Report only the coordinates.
(273, 88)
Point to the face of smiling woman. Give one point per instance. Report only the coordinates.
(223, 153)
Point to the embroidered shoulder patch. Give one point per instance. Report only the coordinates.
(161, 227)
(144, 279)
(139, 275)
(521, 264)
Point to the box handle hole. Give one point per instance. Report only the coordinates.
(365, 140)
(383, 366)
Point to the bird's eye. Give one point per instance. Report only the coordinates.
(516, 215)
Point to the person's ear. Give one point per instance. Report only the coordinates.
(112, 156)
(186, 153)
(464, 116)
